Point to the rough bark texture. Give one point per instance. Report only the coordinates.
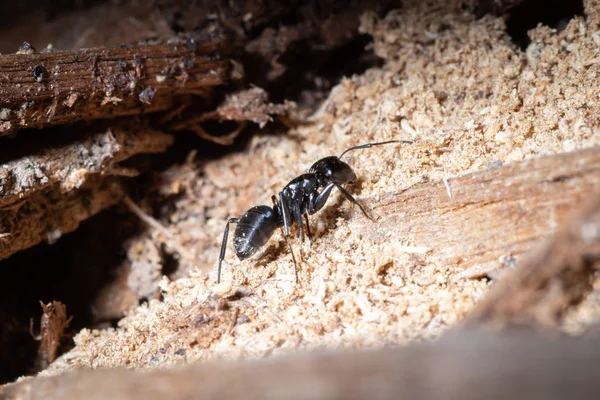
(67, 164)
(47, 215)
(39, 90)
(40, 190)
(468, 366)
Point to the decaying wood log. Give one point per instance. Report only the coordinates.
(465, 366)
(48, 214)
(97, 151)
(44, 89)
(32, 206)
(486, 220)
(542, 288)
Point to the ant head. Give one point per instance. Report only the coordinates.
(332, 170)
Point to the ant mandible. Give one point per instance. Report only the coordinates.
(299, 197)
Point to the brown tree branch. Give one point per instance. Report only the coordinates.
(44, 89)
(67, 165)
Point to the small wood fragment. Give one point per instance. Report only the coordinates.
(53, 323)
(249, 105)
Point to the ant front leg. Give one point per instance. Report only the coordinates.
(351, 199)
(224, 246)
(317, 200)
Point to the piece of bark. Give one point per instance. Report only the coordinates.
(52, 327)
(242, 106)
(246, 105)
(67, 165)
(32, 206)
(484, 219)
(43, 89)
(464, 366)
(542, 288)
(46, 215)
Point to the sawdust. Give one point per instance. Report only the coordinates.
(465, 94)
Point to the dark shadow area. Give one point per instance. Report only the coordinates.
(73, 271)
(309, 77)
(554, 13)
(185, 142)
(50, 9)
(310, 72)
(28, 142)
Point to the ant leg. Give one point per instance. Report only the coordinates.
(285, 213)
(287, 218)
(349, 197)
(316, 203)
(293, 257)
(308, 233)
(298, 218)
(224, 246)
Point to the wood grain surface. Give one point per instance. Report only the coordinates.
(487, 219)
(98, 83)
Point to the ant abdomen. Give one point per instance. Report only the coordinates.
(254, 229)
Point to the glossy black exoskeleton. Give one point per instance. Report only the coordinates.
(303, 196)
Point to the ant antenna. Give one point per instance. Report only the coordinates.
(367, 145)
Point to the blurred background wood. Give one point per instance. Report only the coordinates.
(464, 366)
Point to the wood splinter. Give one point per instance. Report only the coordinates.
(53, 323)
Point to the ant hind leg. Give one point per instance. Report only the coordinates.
(298, 218)
(286, 216)
(224, 246)
(287, 240)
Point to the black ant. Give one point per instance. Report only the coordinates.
(299, 197)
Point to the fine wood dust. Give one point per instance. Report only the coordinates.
(468, 98)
